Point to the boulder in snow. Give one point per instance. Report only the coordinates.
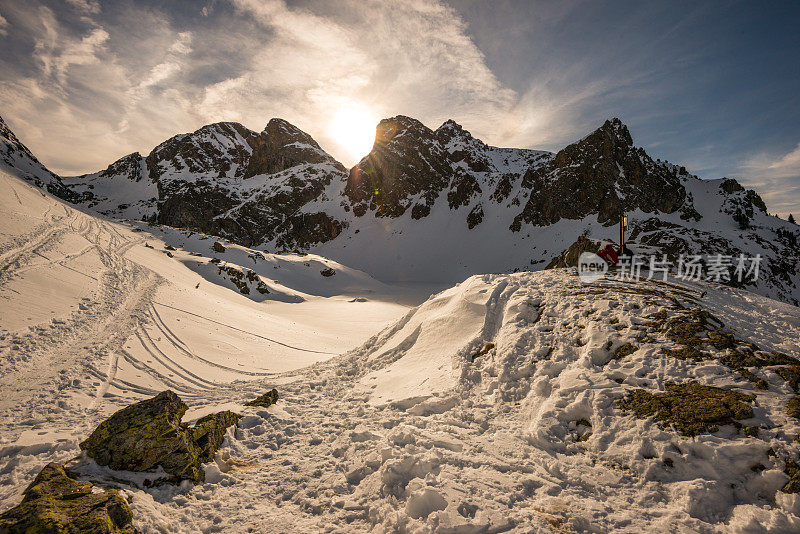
(54, 502)
(149, 434)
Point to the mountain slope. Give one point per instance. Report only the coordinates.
(16, 158)
(439, 205)
(226, 180)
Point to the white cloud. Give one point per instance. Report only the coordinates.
(161, 72)
(788, 165)
(411, 57)
(90, 7)
(58, 52)
(776, 178)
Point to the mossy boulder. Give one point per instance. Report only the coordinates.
(267, 399)
(690, 408)
(55, 503)
(149, 434)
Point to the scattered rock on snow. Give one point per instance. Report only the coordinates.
(55, 503)
(327, 272)
(267, 399)
(485, 350)
(149, 433)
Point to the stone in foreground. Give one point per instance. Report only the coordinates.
(149, 434)
(55, 503)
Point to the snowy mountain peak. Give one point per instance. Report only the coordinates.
(449, 205)
(282, 146)
(617, 131)
(399, 126)
(602, 173)
(453, 134)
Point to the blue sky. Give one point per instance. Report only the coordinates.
(710, 85)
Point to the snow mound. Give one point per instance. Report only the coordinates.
(520, 377)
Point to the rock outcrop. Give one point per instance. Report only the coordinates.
(602, 173)
(569, 258)
(267, 399)
(56, 503)
(149, 434)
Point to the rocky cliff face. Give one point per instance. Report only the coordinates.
(411, 166)
(602, 173)
(226, 180)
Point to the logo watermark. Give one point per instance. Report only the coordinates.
(591, 267)
(714, 268)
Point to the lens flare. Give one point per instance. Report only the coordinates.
(353, 128)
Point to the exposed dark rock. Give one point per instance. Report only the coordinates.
(208, 433)
(55, 503)
(282, 146)
(793, 407)
(569, 258)
(602, 173)
(793, 471)
(267, 399)
(218, 247)
(485, 350)
(475, 216)
(149, 434)
(690, 408)
(406, 161)
(624, 350)
(328, 272)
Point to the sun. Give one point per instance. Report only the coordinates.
(353, 128)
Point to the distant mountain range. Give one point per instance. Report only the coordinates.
(429, 205)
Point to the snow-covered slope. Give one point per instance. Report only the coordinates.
(506, 403)
(96, 314)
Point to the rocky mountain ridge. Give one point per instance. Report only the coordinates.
(430, 204)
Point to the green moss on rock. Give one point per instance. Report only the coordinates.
(149, 434)
(793, 471)
(624, 350)
(690, 408)
(793, 407)
(55, 503)
(209, 433)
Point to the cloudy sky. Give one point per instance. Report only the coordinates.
(711, 85)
